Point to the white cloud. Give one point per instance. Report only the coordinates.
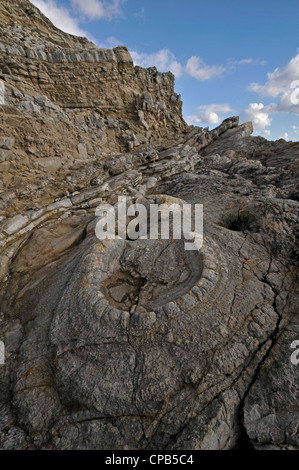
(245, 61)
(265, 133)
(295, 129)
(281, 84)
(210, 117)
(60, 17)
(195, 67)
(210, 114)
(97, 9)
(279, 80)
(248, 61)
(163, 59)
(259, 115)
(198, 69)
(284, 136)
(207, 118)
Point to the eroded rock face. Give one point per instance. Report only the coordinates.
(139, 344)
(68, 105)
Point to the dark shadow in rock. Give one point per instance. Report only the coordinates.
(294, 196)
(242, 222)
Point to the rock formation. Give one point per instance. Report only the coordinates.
(137, 344)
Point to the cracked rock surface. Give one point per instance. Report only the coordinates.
(138, 344)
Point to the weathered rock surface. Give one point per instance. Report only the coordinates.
(122, 344)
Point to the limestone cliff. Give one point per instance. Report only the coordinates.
(137, 344)
(102, 103)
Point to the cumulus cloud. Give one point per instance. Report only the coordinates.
(97, 9)
(279, 80)
(60, 17)
(259, 115)
(197, 68)
(163, 59)
(210, 114)
(282, 83)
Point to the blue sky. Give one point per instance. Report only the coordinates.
(229, 57)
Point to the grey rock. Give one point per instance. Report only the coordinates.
(122, 54)
(102, 135)
(147, 101)
(161, 105)
(145, 124)
(3, 155)
(14, 224)
(82, 150)
(49, 164)
(140, 114)
(113, 123)
(7, 143)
